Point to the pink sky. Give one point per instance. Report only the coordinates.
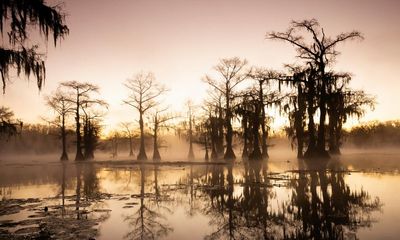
(180, 41)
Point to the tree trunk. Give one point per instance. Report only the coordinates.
(338, 134)
(334, 111)
(130, 146)
(214, 138)
(214, 154)
(321, 151)
(331, 127)
(191, 153)
(321, 127)
(64, 155)
(298, 121)
(256, 153)
(311, 148)
(115, 147)
(299, 134)
(245, 152)
(264, 146)
(142, 151)
(229, 154)
(156, 153)
(89, 138)
(220, 132)
(334, 134)
(213, 134)
(79, 154)
(206, 157)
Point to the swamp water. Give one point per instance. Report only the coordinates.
(354, 197)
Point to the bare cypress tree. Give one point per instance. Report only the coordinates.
(190, 106)
(80, 97)
(160, 121)
(114, 139)
(144, 92)
(130, 134)
(60, 103)
(20, 16)
(232, 73)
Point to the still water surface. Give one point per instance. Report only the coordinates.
(339, 199)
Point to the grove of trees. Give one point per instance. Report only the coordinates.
(316, 99)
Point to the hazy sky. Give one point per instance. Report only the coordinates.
(180, 41)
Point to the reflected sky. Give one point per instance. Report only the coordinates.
(240, 201)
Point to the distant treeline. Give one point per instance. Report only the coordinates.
(374, 134)
(45, 139)
(32, 139)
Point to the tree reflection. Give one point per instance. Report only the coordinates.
(87, 189)
(325, 205)
(245, 201)
(91, 187)
(147, 222)
(224, 206)
(78, 190)
(63, 187)
(260, 219)
(240, 214)
(320, 204)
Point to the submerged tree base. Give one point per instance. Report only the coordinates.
(229, 155)
(335, 151)
(313, 154)
(64, 157)
(141, 156)
(256, 155)
(79, 156)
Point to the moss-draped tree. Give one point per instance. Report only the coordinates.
(320, 52)
(17, 18)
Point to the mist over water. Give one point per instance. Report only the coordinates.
(282, 197)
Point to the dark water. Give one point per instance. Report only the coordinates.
(262, 200)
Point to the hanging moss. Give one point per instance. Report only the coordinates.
(20, 15)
